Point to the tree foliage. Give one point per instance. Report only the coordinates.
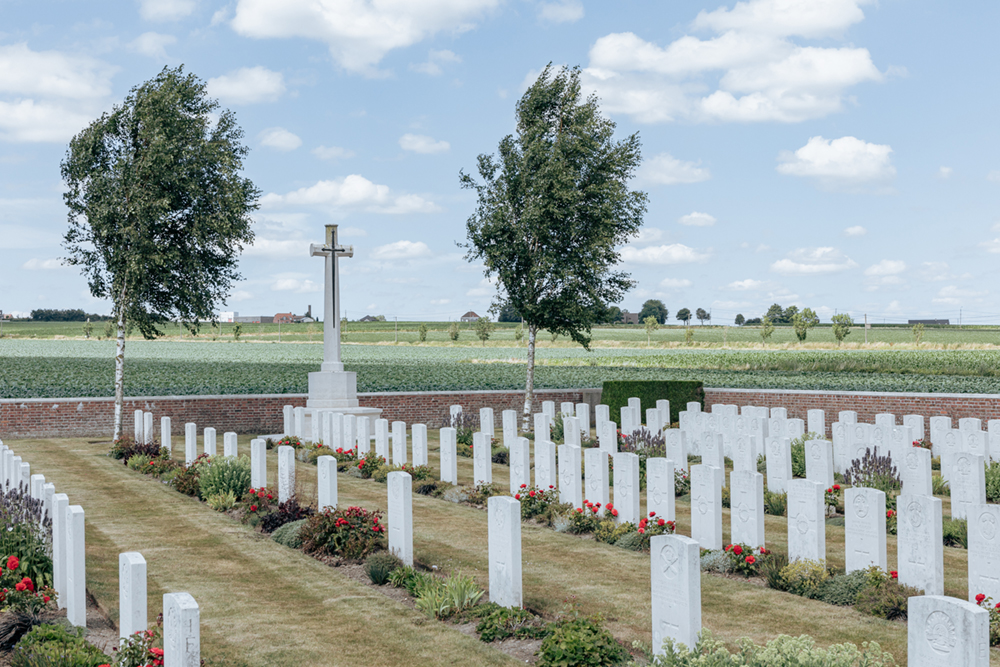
(507, 313)
(553, 207)
(702, 315)
(651, 325)
(803, 322)
(740, 320)
(684, 314)
(842, 324)
(766, 328)
(484, 328)
(654, 308)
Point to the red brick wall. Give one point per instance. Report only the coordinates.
(83, 417)
(255, 414)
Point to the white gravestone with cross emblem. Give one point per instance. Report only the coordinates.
(864, 529)
(779, 464)
(595, 466)
(675, 574)
(919, 549)
(915, 472)
(747, 508)
(400, 490)
(626, 480)
(946, 631)
(545, 465)
(706, 505)
(806, 521)
(181, 631)
(520, 465)
(333, 388)
(984, 551)
(819, 462)
(504, 517)
(660, 488)
(570, 484)
(968, 483)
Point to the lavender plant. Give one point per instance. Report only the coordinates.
(645, 443)
(875, 472)
(464, 424)
(26, 532)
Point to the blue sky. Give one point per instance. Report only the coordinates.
(836, 154)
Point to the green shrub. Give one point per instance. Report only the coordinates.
(381, 474)
(615, 394)
(381, 564)
(186, 479)
(775, 503)
(782, 651)
(631, 542)
(139, 462)
(611, 531)
(402, 577)
(56, 646)
(580, 641)
(955, 533)
(351, 532)
(716, 561)
(288, 534)
(993, 482)
(771, 569)
(886, 598)
(798, 458)
(226, 474)
(222, 502)
(939, 487)
(726, 501)
(499, 623)
(804, 577)
(843, 589)
(444, 598)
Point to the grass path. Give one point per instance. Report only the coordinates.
(253, 592)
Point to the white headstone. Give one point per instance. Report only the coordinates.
(779, 464)
(919, 547)
(570, 484)
(946, 631)
(482, 459)
(37, 484)
(398, 443)
(419, 432)
(454, 412)
(653, 423)
(287, 423)
(806, 520)
(675, 575)
(208, 442)
(509, 419)
(60, 503)
(286, 473)
(970, 424)
(841, 452)
(583, 419)
(382, 438)
(819, 462)
(968, 484)
(746, 514)
(299, 422)
(864, 529)
(520, 465)
(984, 551)
(626, 480)
(326, 481)
(567, 409)
(595, 472)
(711, 451)
(326, 429)
(628, 425)
(15, 472)
(545, 465)
(76, 567)
(132, 616)
(26, 477)
(659, 488)
(706, 505)
(449, 456)
(165, 440)
(847, 417)
(229, 444)
(549, 408)
(607, 436)
(504, 516)
(915, 472)
(663, 405)
(181, 631)
(885, 419)
(363, 425)
(571, 431)
(190, 442)
(939, 427)
(543, 425)
(817, 422)
(147, 427)
(744, 454)
(350, 431)
(602, 413)
(401, 515)
(677, 447)
(486, 422)
(139, 420)
(779, 413)
(258, 463)
(916, 422)
(48, 493)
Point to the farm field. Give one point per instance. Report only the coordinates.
(69, 368)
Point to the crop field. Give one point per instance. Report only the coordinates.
(68, 368)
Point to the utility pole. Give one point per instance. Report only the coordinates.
(866, 328)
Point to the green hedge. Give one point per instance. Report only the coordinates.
(615, 395)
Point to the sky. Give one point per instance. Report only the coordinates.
(840, 155)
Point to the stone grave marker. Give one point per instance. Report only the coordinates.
(60, 505)
(326, 481)
(567, 409)
(847, 417)
(449, 455)
(509, 418)
(841, 456)
(350, 433)
(607, 435)
(482, 459)
(864, 529)
(653, 423)
(939, 427)
(419, 432)
(147, 427)
(165, 439)
(258, 463)
(545, 465)
(454, 413)
(137, 432)
(970, 424)
(706, 505)
(504, 517)
(364, 428)
(299, 422)
(915, 422)
(711, 451)
(779, 464)
(286, 473)
(819, 462)
(382, 438)
(744, 457)
(677, 447)
(602, 413)
(984, 552)
(946, 631)
(549, 408)
(583, 417)
(190, 442)
(209, 442)
(76, 567)
(400, 515)
(817, 422)
(398, 443)
(486, 424)
(747, 508)
(520, 464)
(915, 471)
(660, 488)
(543, 424)
(968, 484)
(626, 481)
(595, 466)
(132, 616)
(919, 549)
(37, 482)
(571, 431)
(229, 444)
(570, 484)
(628, 427)
(806, 520)
(675, 576)
(181, 631)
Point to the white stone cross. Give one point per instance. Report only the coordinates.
(331, 301)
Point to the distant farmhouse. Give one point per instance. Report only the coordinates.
(469, 317)
(630, 318)
(368, 318)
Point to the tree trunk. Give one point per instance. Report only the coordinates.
(120, 373)
(529, 384)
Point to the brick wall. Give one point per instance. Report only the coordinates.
(259, 414)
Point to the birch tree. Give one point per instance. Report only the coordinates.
(554, 206)
(158, 209)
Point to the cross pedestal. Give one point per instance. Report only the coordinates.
(332, 388)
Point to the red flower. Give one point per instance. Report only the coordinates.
(652, 514)
(642, 530)
(20, 587)
(531, 493)
(738, 550)
(517, 496)
(158, 652)
(27, 582)
(894, 574)
(579, 510)
(614, 512)
(660, 522)
(45, 598)
(270, 497)
(889, 514)
(12, 563)
(836, 487)
(980, 598)
(361, 465)
(610, 506)
(253, 508)
(551, 487)
(524, 486)
(593, 509)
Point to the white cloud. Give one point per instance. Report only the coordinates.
(674, 253)
(846, 162)
(665, 169)
(280, 139)
(278, 248)
(887, 267)
(814, 261)
(358, 34)
(944, 173)
(351, 232)
(696, 219)
(296, 285)
(221, 15)
(747, 284)
(239, 295)
(49, 95)
(165, 10)
(419, 143)
(993, 176)
(332, 153)
(675, 283)
(751, 70)
(856, 230)
(648, 235)
(248, 85)
(561, 11)
(436, 60)
(43, 264)
(952, 295)
(401, 250)
(152, 44)
(352, 191)
(993, 245)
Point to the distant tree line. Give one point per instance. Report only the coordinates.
(70, 315)
(801, 320)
